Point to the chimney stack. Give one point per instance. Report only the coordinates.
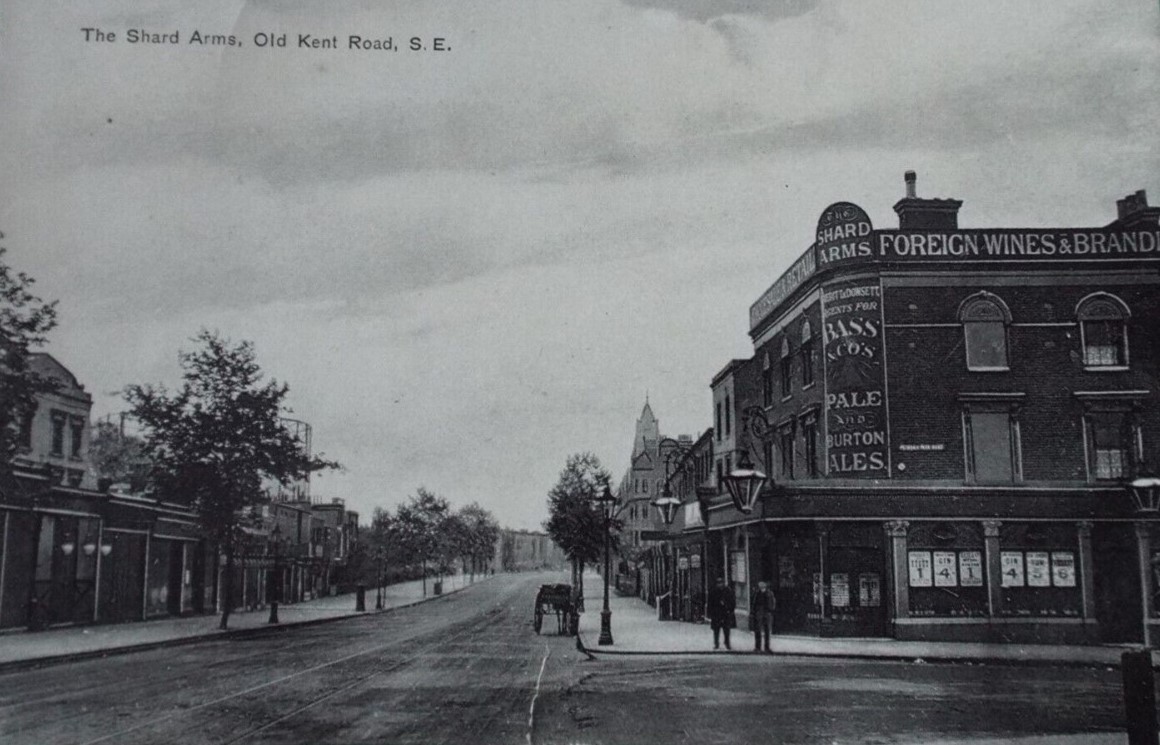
(1133, 212)
(925, 214)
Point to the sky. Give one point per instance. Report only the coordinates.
(469, 264)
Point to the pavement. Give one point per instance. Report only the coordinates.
(636, 630)
(20, 649)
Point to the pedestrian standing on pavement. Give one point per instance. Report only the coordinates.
(761, 615)
(721, 612)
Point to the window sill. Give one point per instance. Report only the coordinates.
(988, 369)
(1105, 368)
(808, 386)
(786, 398)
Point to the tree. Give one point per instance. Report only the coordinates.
(25, 321)
(118, 458)
(483, 532)
(215, 440)
(574, 523)
(417, 524)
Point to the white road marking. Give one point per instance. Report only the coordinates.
(536, 694)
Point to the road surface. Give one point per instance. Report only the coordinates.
(468, 668)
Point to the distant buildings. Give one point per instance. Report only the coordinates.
(523, 550)
(950, 419)
(71, 553)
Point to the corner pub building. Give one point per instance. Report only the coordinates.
(950, 419)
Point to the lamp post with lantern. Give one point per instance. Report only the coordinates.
(610, 508)
(1144, 491)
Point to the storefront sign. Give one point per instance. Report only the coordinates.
(1012, 563)
(869, 590)
(931, 447)
(921, 574)
(1038, 571)
(839, 590)
(692, 515)
(971, 568)
(695, 561)
(1063, 568)
(843, 234)
(856, 433)
(1016, 244)
(683, 562)
(799, 272)
(945, 569)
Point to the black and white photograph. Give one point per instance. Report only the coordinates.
(612, 372)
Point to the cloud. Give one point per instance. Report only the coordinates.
(707, 10)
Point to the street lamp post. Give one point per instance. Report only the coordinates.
(607, 503)
(276, 589)
(379, 578)
(1145, 493)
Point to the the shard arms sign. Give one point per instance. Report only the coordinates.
(856, 429)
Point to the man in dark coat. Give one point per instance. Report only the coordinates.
(721, 612)
(761, 615)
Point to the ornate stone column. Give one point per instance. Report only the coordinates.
(994, 567)
(896, 531)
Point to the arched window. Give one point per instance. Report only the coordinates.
(786, 368)
(1103, 330)
(807, 354)
(985, 318)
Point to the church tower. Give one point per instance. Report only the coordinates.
(647, 431)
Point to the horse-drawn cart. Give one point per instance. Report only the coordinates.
(555, 599)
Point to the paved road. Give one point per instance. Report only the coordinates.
(467, 668)
(756, 699)
(463, 668)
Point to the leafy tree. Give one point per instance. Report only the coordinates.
(574, 523)
(118, 458)
(483, 532)
(416, 528)
(25, 321)
(215, 440)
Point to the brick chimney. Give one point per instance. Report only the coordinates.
(925, 214)
(1133, 212)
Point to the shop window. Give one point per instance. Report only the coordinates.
(76, 432)
(1103, 330)
(766, 381)
(786, 369)
(985, 319)
(1110, 438)
(728, 417)
(717, 421)
(807, 352)
(947, 582)
(809, 425)
(992, 446)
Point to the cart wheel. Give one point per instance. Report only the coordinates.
(538, 622)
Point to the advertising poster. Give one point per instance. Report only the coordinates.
(1063, 568)
(852, 347)
(840, 590)
(921, 571)
(1038, 569)
(869, 590)
(945, 569)
(971, 568)
(1012, 563)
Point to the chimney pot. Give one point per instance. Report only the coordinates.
(911, 177)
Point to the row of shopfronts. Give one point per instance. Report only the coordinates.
(969, 580)
(75, 551)
(948, 438)
(77, 558)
